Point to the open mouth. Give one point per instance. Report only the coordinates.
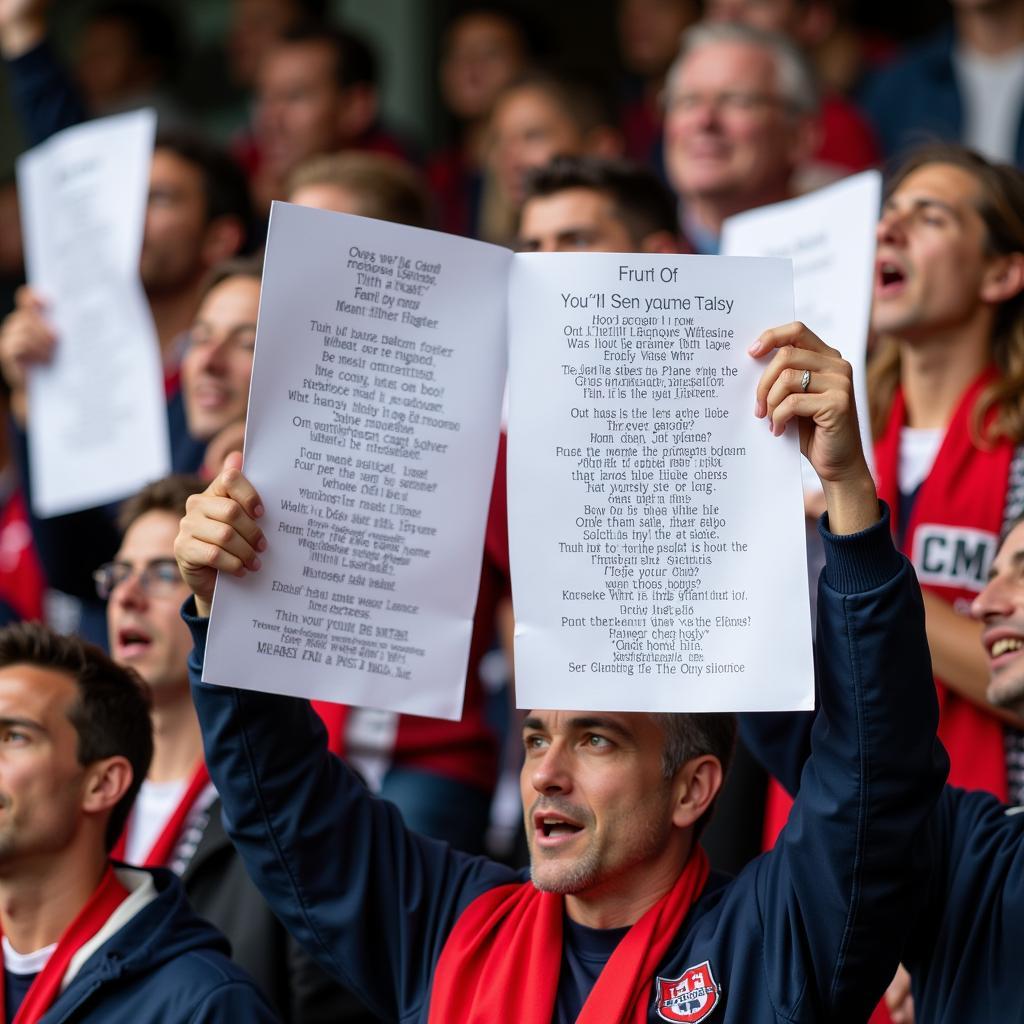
(553, 829)
(890, 277)
(131, 642)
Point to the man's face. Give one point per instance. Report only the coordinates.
(484, 53)
(217, 365)
(930, 259)
(530, 128)
(729, 137)
(781, 16)
(41, 782)
(574, 220)
(598, 810)
(172, 243)
(1000, 606)
(145, 630)
(299, 112)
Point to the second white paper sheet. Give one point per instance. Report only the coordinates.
(371, 436)
(656, 527)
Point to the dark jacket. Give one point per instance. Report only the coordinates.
(916, 99)
(221, 892)
(164, 966)
(809, 932)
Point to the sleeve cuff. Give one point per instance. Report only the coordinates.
(858, 562)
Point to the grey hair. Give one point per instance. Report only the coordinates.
(795, 78)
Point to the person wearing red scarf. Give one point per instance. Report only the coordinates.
(82, 939)
(620, 921)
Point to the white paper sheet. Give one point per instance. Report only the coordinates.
(656, 527)
(830, 237)
(97, 424)
(371, 436)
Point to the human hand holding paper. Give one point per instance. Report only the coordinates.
(807, 379)
(26, 340)
(220, 533)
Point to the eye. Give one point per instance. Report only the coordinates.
(15, 736)
(594, 741)
(534, 741)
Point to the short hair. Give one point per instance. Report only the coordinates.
(387, 188)
(691, 735)
(237, 266)
(584, 98)
(795, 78)
(642, 201)
(224, 184)
(168, 494)
(111, 715)
(155, 31)
(355, 62)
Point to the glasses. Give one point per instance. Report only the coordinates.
(159, 578)
(727, 102)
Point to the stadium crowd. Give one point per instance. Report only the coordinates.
(173, 851)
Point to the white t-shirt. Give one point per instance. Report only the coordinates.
(992, 89)
(26, 963)
(918, 449)
(154, 806)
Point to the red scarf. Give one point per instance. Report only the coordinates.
(109, 895)
(506, 951)
(167, 842)
(966, 490)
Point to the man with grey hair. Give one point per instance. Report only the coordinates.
(741, 119)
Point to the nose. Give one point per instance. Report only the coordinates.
(129, 593)
(890, 226)
(995, 600)
(549, 774)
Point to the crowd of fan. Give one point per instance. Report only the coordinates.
(719, 107)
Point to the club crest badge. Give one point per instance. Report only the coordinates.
(689, 998)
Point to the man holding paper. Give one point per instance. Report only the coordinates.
(615, 802)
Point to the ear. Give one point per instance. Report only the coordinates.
(696, 785)
(222, 239)
(357, 110)
(1003, 278)
(106, 781)
(663, 242)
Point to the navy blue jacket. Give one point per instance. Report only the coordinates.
(809, 932)
(963, 952)
(165, 966)
(916, 99)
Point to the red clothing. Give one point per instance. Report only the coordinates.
(847, 139)
(22, 585)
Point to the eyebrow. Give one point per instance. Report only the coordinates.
(583, 723)
(22, 723)
(926, 201)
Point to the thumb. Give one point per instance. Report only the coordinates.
(233, 461)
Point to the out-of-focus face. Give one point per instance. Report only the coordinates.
(598, 809)
(217, 365)
(108, 66)
(325, 196)
(729, 136)
(770, 15)
(175, 230)
(1000, 606)
(42, 785)
(299, 111)
(649, 33)
(483, 54)
(574, 220)
(145, 629)
(529, 128)
(255, 26)
(930, 259)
